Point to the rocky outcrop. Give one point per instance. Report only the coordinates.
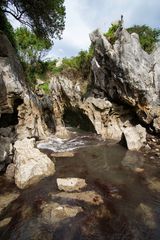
(127, 74)
(99, 115)
(22, 113)
(30, 164)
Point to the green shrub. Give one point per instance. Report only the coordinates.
(110, 35)
(148, 36)
(45, 87)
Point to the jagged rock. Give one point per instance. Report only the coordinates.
(19, 106)
(135, 137)
(71, 184)
(127, 74)
(30, 164)
(53, 213)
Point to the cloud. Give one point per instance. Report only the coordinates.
(84, 16)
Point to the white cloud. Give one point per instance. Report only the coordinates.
(84, 16)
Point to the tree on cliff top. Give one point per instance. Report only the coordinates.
(45, 18)
(148, 36)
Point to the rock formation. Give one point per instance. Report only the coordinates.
(22, 113)
(125, 73)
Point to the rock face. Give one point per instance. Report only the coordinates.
(30, 164)
(22, 113)
(126, 73)
(93, 114)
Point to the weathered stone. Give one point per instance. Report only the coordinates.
(30, 164)
(63, 154)
(154, 184)
(53, 213)
(135, 137)
(126, 73)
(71, 184)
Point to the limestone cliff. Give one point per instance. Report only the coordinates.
(22, 113)
(125, 73)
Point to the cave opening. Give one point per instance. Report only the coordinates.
(76, 118)
(10, 119)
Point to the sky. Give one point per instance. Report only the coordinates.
(84, 16)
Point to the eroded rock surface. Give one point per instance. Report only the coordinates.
(126, 73)
(71, 184)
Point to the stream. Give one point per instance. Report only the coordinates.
(128, 183)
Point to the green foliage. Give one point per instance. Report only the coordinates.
(30, 47)
(110, 35)
(45, 18)
(45, 87)
(6, 27)
(147, 36)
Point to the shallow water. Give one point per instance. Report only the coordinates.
(131, 208)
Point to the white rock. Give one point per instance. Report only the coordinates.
(70, 184)
(30, 164)
(135, 137)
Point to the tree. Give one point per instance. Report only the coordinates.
(148, 36)
(44, 17)
(31, 48)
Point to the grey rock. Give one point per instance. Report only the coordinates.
(126, 72)
(135, 137)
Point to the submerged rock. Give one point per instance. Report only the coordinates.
(90, 197)
(53, 213)
(6, 199)
(5, 222)
(30, 164)
(147, 215)
(71, 184)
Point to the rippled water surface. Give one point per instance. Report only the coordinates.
(128, 184)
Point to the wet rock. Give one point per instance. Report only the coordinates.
(53, 213)
(154, 184)
(5, 148)
(5, 222)
(135, 137)
(6, 199)
(30, 164)
(133, 160)
(90, 197)
(147, 215)
(10, 172)
(63, 154)
(71, 184)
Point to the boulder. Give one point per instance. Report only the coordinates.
(135, 137)
(71, 184)
(30, 164)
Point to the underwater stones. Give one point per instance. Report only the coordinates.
(147, 215)
(90, 197)
(6, 199)
(71, 184)
(30, 164)
(53, 212)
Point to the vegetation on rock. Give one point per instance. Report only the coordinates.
(148, 36)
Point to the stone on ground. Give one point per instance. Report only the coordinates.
(70, 184)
